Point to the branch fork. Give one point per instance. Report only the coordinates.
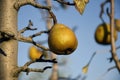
(26, 68)
(111, 17)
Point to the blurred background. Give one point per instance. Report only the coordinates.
(84, 26)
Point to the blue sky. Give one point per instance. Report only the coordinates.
(86, 26)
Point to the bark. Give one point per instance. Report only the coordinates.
(8, 24)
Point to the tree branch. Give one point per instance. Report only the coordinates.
(106, 72)
(36, 70)
(100, 51)
(43, 60)
(53, 16)
(28, 27)
(102, 9)
(21, 3)
(111, 16)
(38, 34)
(30, 40)
(66, 3)
(113, 47)
(26, 68)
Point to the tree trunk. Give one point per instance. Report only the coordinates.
(8, 24)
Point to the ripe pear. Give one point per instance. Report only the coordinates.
(34, 53)
(117, 24)
(102, 34)
(62, 40)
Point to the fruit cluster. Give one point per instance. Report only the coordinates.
(102, 34)
(61, 41)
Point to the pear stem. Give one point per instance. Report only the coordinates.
(53, 16)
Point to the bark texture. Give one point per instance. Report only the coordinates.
(8, 24)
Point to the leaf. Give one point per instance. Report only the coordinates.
(85, 69)
(80, 5)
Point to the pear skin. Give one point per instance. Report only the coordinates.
(34, 53)
(62, 40)
(117, 24)
(102, 34)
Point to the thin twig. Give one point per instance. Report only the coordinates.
(27, 64)
(33, 3)
(66, 3)
(102, 9)
(105, 73)
(28, 27)
(38, 34)
(53, 16)
(40, 46)
(36, 70)
(28, 70)
(43, 60)
(100, 51)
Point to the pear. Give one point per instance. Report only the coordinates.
(34, 53)
(62, 40)
(102, 34)
(117, 24)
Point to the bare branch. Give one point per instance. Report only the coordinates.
(27, 70)
(40, 60)
(28, 27)
(53, 16)
(38, 34)
(105, 73)
(107, 11)
(63, 2)
(113, 47)
(102, 8)
(36, 70)
(101, 51)
(20, 3)
(111, 16)
(30, 40)
(111, 68)
(43, 60)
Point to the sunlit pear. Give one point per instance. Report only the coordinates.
(85, 69)
(117, 24)
(62, 40)
(34, 53)
(102, 34)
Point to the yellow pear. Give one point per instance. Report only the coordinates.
(117, 24)
(102, 34)
(34, 53)
(62, 40)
